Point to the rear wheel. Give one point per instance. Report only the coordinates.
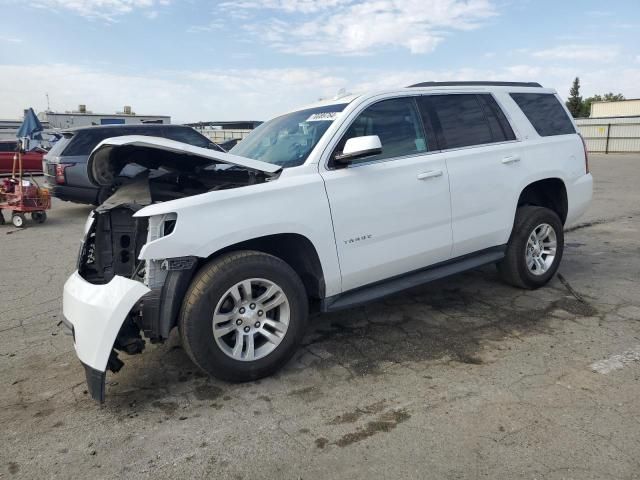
(243, 316)
(18, 220)
(39, 217)
(535, 248)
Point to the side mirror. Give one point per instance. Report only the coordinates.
(358, 147)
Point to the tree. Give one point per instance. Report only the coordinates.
(574, 104)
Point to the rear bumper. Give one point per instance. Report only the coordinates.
(69, 193)
(95, 314)
(579, 194)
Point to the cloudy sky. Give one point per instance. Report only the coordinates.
(251, 59)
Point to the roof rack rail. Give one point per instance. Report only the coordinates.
(474, 84)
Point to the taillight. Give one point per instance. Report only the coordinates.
(60, 168)
(586, 154)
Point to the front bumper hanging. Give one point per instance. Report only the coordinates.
(96, 314)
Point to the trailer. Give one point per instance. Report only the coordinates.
(22, 196)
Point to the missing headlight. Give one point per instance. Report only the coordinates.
(161, 225)
(169, 225)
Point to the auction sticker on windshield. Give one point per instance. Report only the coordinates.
(323, 117)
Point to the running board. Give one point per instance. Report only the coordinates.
(393, 285)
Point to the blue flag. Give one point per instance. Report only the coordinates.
(30, 126)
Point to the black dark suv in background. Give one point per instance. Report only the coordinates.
(65, 166)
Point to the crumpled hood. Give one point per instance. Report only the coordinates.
(112, 154)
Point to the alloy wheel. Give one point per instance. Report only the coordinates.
(541, 249)
(251, 319)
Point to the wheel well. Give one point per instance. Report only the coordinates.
(550, 193)
(296, 250)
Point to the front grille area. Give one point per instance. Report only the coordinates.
(112, 246)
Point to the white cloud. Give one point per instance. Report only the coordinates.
(599, 13)
(10, 40)
(362, 27)
(625, 25)
(256, 94)
(185, 95)
(103, 9)
(592, 80)
(592, 53)
(209, 27)
(304, 6)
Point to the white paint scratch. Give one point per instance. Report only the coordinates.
(616, 362)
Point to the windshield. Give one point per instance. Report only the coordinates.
(289, 139)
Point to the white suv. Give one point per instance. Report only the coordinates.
(322, 208)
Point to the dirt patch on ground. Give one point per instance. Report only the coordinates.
(207, 392)
(383, 423)
(351, 417)
(308, 394)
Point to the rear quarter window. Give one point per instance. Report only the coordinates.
(58, 147)
(545, 113)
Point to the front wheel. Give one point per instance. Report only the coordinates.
(18, 220)
(243, 316)
(535, 248)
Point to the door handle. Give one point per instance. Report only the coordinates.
(429, 174)
(511, 159)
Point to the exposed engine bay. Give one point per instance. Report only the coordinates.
(137, 175)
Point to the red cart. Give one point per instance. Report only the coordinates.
(21, 196)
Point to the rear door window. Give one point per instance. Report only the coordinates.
(460, 119)
(8, 147)
(545, 113)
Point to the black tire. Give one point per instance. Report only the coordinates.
(39, 217)
(2, 220)
(208, 288)
(513, 268)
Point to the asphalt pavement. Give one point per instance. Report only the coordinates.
(463, 378)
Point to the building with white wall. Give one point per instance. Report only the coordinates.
(85, 118)
(621, 108)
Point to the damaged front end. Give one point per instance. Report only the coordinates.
(115, 298)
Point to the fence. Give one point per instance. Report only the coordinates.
(221, 136)
(611, 135)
